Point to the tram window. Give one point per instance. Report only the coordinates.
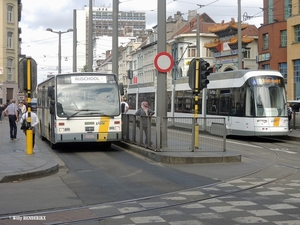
(187, 106)
(147, 97)
(178, 101)
(169, 101)
(212, 106)
(132, 101)
(225, 104)
(178, 104)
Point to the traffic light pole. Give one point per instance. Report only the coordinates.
(198, 72)
(196, 100)
(29, 133)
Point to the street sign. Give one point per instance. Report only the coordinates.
(163, 62)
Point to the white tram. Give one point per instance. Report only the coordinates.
(252, 101)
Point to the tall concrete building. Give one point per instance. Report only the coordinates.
(131, 24)
(279, 42)
(10, 11)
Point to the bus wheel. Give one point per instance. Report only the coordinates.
(106, 145)
(53, 146)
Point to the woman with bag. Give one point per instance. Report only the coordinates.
(144, 112)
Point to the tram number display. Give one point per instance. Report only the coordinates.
(266, 80)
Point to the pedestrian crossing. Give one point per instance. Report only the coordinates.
(224, 203)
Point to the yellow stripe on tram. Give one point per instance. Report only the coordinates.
(103, 128)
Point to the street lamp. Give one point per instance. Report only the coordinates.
(59, 44)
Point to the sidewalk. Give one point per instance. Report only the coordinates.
(16, 165)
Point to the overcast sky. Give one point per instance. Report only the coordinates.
(42, 45)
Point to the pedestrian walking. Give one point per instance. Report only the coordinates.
(23, 108)
(290, 115)
(145, 112)
(1, 112)
(12, 112)
(33, 123)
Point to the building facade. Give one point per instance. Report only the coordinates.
(279, 42)
(10, 11)
(131, 24)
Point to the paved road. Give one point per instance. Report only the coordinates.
(257, 198)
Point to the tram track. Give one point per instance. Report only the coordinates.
(258, 174)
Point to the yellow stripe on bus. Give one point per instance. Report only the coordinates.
(103, 128)
(276, 121)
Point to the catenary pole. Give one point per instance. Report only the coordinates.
(239, 36)
(161, 109)
(90, 42)
(115, 38)
(74, 41)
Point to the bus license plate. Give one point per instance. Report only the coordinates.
(89, 136)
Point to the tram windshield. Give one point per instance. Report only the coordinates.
(268, 96)
(78, 99)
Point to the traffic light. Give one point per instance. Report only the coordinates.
(193, 74)
(197, 73)
(204, 73)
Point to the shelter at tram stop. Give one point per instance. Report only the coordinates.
(225, 47)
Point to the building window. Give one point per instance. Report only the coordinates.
(192, 52)
(247, 53)
(209, 53)
(297, 71)
(9, 39)
(283, 38)
(270, 11)
(9, 69)
(10, 13)
(297, 33)
(266, 41)
(266, 67)
(283, 70)
(287, 9)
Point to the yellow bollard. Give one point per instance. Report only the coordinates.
(29, 143)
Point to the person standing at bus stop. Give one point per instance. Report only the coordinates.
(12, 112)
(145, 112)
(290, 115)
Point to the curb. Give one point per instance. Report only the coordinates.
(182, 158)
(36, 173)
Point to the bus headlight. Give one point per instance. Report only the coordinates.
(115, 128)
(262, 120)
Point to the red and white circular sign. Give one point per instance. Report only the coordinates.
(163, 62)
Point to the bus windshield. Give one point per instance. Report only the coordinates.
(269, 96)
(87, 99)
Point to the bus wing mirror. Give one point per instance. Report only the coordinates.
(51, 92)
(121, 89)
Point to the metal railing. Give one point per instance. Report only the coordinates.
(175, 133)
(295, 121)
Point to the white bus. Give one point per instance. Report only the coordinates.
(79, 107)
(253, 102)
